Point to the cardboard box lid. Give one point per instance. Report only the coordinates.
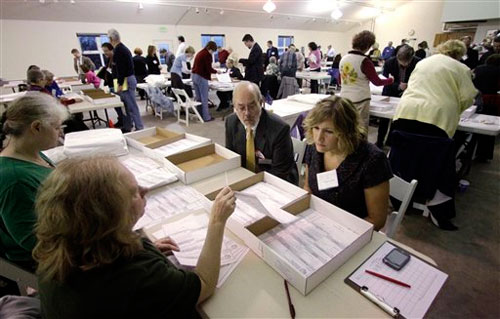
(162, 137)
(241, 185)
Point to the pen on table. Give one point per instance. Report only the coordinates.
(397, 282)
(290, 304)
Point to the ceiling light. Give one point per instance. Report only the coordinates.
(336, 14)
(197, 11)
(269, 6)
(42, 1)
(72, 1)
(221, 12)
(141, 6)
(314, 19)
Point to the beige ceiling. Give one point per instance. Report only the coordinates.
(289, 14)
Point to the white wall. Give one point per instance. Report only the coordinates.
(48, 44)
(422, 16)
(455, 11)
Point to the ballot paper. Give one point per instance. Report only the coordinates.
(56, 154)
(189, 233)
(224, 78)
(246, 214)
(266, 207)
(156, 178)
(107, 141)
(178, 146)
(170, 201)
(310, 242)
(139, 164)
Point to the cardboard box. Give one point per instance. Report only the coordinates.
(202, 162)
(306, 283)
(155, 137)
(283, 185)
(98, 96)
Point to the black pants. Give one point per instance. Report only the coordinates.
(178, 84)
(314, 83)
(225, 99)
(383, 127)
(270, 85)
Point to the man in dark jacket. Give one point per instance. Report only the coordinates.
(254, 65)
(471, 58)
(272, 51)
(261, 138)
(400, 68)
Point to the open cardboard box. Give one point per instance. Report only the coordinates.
(283, 185)
(202, 162)
(305, 284)
(98, 96)
(156, 137)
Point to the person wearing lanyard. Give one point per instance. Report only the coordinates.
(32, 123)
(341, 166)
(260, 137)
(126, 82)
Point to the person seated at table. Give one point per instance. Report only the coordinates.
(225, 97)
(375, 54)
(400, 68)
(52, 85)
(272, 68)
(340, 149)
(260, 137)
(357, 71)
(180, 67)
(90, 77)
(36, 81)
(438, 91)
(110, 271)
(31, 124)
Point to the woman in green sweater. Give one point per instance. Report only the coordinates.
(30, 125)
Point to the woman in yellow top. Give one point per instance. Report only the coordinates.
(439, 90)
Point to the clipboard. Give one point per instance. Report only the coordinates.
(399, 302)
(124, 86)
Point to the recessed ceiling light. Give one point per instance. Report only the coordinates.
(141, 6)
(336, 14)
(269, 6)
(221, 12)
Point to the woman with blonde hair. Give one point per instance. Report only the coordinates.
(91, 264)
(439, 90)
(339, 148)
(31, 124)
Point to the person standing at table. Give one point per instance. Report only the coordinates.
(330, 53)
(471, 57)
(271, 51)
(108, 73)
(388, 51)
(111, 271)
(78, 61)
(201, 73)
(152, 61)
(140, 69)
(314, 60)
(438, 91)
(339, 149)
(182, 45)
(254, 66)
(357, 71)
(179, 68)
(126, 82)
(32, 124)
(261, 138)
(222, 54)
(400, 68)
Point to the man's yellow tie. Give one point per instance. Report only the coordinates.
(250, 150)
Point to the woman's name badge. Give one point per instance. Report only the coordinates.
(327, 180)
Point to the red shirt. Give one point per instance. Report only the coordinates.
(223, 56)
(203, 64)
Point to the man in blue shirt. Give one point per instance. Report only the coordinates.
(388, 51)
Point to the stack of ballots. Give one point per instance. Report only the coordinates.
(95, 142)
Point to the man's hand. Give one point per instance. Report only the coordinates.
(120, 88)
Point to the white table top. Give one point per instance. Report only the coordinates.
(312, 75)
(7, 98)
(86, 106)
(477, 123)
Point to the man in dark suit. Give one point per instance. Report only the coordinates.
(254, 65)
(261, 138)
(271, 51)
(78, 61)
(472, 56)
(400, 68)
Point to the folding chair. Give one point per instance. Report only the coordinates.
(402, 191)
(299, 148)
(187, 104)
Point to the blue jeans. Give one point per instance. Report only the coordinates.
(201, 90)
(132, 110)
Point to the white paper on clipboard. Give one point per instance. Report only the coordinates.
(425, 280)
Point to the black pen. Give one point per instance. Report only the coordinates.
(290, 304)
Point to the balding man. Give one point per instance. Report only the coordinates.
(261, 138)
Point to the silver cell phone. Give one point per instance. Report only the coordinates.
(397, 258)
